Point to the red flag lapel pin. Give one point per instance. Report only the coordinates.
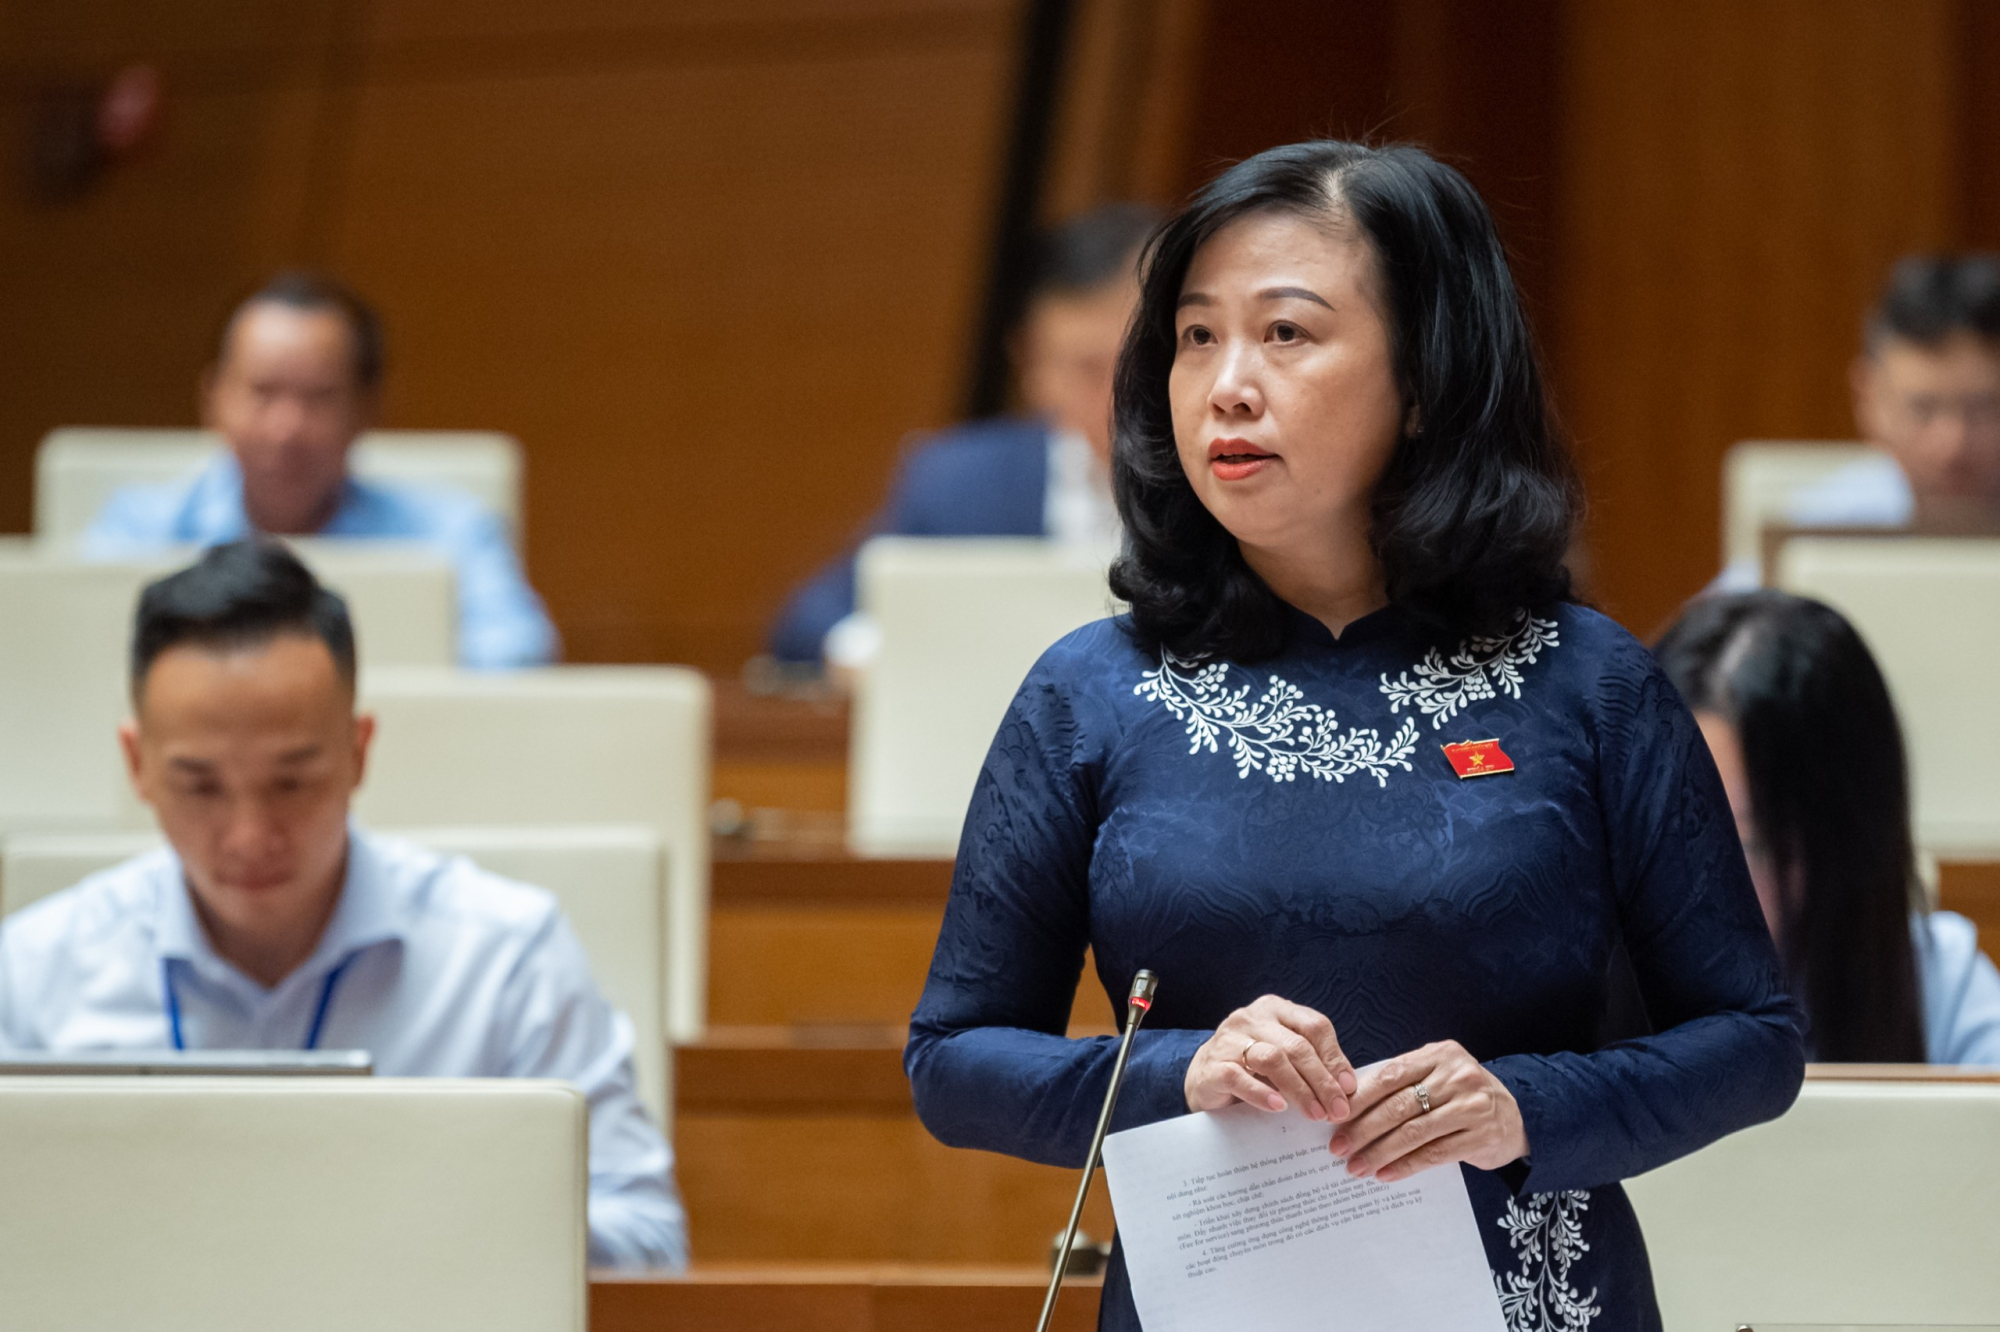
(1477, 758)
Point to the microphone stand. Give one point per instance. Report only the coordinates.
(1136, 1005)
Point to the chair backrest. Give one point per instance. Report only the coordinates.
(311, 1204)
(1759, 477)
(78, 467)
(565, 745)
(403, 596)
(63, 662)
(1866, 1203)
(63, 691)
(962, 621)
(609, 880)
(1929, 609)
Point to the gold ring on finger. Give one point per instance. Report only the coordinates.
(1423, 1098)
(1244, 1058)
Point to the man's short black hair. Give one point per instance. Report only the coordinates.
(1929, 297)
(243, 594)
(1092, 249)
(299, 289)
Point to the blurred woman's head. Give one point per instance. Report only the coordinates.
(1329, 340)
(1805, 736)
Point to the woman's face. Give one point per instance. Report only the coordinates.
(1727, 747)
(1284, 393)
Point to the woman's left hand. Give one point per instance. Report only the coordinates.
(1472, 1116)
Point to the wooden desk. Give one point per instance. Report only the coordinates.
(806, 871)
(822, 1070)
(794, 1298)
(1972, 889)
(794, 1132)
(1900, 1073)
(799, 936)
(778, 751)
(803, 1145)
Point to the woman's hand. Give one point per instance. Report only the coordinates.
(1472, 1116)
(1271, 1054)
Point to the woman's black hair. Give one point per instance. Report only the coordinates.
(1830, 797)
(1474, 513)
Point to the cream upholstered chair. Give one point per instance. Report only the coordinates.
(403, 596)
(77, 468)
(608, 879)
(1867, 1203)
(63, 662)
(1758, 479)
(565, 745)
(611, 882)
(962, 620)
(309, 1204)
(62, 691)
(36, 865)
(1929, 609)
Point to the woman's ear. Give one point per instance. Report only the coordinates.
(1413, 422)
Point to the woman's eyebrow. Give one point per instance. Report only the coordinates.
(1295, 293)
(1268, 294)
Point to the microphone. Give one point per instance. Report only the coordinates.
(1137, 1003)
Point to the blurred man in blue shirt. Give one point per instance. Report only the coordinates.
(1046, 473)
(270, 921)
(297, 378)
(1927, 397)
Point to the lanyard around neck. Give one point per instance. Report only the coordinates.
(312, 1033)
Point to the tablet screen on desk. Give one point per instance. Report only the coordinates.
(189, 1063)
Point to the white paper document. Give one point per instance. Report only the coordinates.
(1242, 1215)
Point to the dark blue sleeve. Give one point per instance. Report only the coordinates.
(988, 1062)
(1728, 1050)
(820, 603)
(828, 597)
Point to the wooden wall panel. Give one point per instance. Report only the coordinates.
(1701, 199)
(1124, 104)
(1476, 83)
(251, 38)
(1283, 71)
(713, 260)
(713, 341)
(1739, 175)
(108, 306)
(1979, 142)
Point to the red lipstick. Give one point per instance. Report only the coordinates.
(1237, 459)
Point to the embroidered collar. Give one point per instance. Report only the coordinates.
(1281, 734)
(1482, 668)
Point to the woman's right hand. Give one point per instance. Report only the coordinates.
(1272, 1054)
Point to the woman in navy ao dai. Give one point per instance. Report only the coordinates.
(1294, 829)
(1271, 823)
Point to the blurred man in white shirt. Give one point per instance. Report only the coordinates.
(1927, 396)
(271, 922)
